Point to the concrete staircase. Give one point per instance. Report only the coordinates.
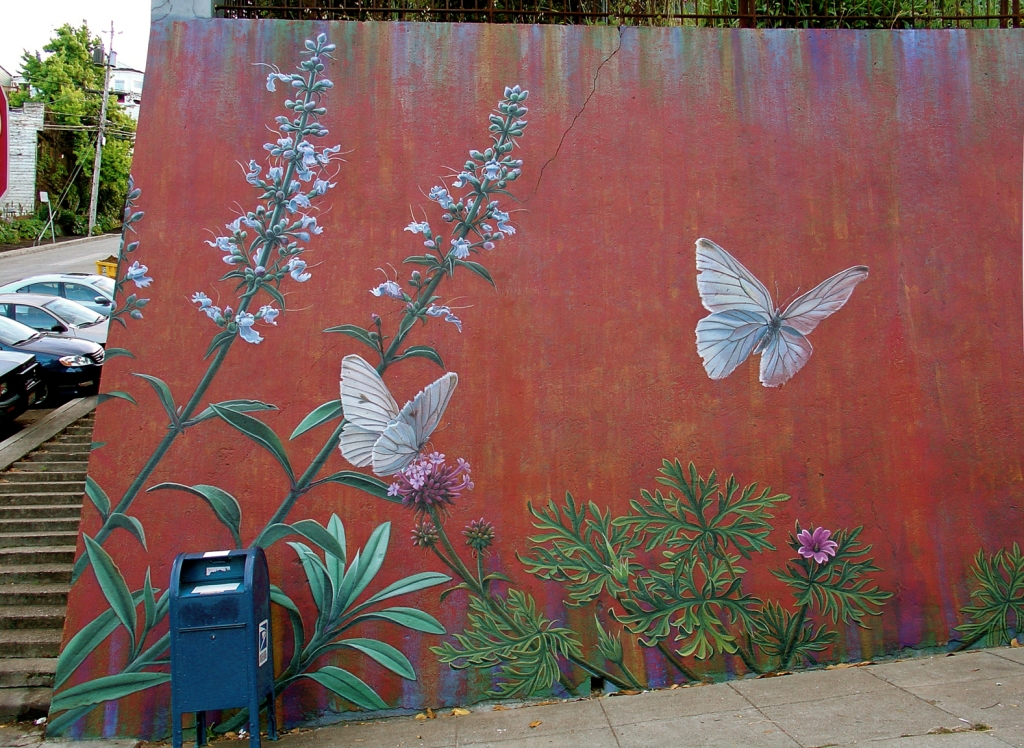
(40, 507)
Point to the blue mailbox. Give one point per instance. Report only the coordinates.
(221, 649)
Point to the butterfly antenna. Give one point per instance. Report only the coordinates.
(792, 296)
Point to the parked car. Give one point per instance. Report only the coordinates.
(64, 317)
(70, 367)
(93, 291)
(20, 380)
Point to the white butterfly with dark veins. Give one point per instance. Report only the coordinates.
(377, 432)
(744, 320)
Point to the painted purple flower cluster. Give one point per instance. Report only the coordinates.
(816, 545)
(431, 483)
(425, 535)
(479, 534)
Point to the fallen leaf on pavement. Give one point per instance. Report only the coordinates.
(498, 708)
(421, 715)
(535, 723)
(430, 713)
(457, 712)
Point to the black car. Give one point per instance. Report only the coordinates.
(19, 384)
(69, 367)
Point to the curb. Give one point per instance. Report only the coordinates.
(44, 247)
(19, 445)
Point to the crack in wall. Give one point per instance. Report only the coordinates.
(593, 89)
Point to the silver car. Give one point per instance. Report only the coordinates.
(55, 315)
(93, 291)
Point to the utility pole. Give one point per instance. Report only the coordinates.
(110, 61)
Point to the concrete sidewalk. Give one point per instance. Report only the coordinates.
(973, 699)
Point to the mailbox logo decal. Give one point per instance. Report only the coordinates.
(264, 641)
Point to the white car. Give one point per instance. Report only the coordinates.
(93, 291)
(54, 314)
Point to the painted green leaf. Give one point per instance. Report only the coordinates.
(85, 641)
(310, 529)
(316, 575)
(113, 585)
(108, 688)
(224, 505)
(96, 445)
(320, 415)
(412, 583)
(411, 618)
(347, 686)
(360, 334)
(97, 496)
(164, 393)
(219, 340)
(103, 397)
(363, 482)
(383, 653)
(278, 597)
(239, 406)
(426, 260)
(115, 352)
(275, 294)
(259, 432)
(148, 604)
(422, 351)
(131, 524)
(336, 564)
(372, 559)
(477, 268)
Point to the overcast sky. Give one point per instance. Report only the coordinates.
(29, 24)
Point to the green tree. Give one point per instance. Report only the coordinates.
(71, 86)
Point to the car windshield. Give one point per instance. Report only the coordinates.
(104, 284)
(12, 333)
(73, 313)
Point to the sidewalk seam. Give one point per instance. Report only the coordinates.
(609, 721)
(759, 711)
(924, 701)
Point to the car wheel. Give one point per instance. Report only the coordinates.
(43, 396)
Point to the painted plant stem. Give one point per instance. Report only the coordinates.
(798, 624)
(277, 237)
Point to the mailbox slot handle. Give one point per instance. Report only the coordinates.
(218, 627)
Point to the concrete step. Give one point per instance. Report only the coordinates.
(21, 643)
(26, 672)
(76, 487)
(41, 511)
(34, 476)
(61, 448)
(34, 594)
(47, 574)
(35, 539)
(31, 617)
(24, 703)
(67, 453)
(60, 463)
(37, 555)
(69, 524)
(41, 497)
(71, 439)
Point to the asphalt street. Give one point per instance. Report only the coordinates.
(78, 257)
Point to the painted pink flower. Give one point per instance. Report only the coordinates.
(425, 535)
(479, 534)
(431, 482)
(816, 545)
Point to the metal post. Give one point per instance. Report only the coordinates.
(94, 197)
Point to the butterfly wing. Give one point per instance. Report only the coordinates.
(825, 299)
(365, 399)
(725, 339)
(395, 448)
(357, 444)
(725, 285)
(785, 353)
(424, 411)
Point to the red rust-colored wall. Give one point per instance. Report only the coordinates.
(801, 153)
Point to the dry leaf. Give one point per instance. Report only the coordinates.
(421, 715)
(776, 674)
(535, 723)
(457, 712)
(498, 708)
(1014, 643)
(673, 687)
(430, 713)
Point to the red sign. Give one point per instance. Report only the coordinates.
(5, 148)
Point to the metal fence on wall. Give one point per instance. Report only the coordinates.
(857, 14)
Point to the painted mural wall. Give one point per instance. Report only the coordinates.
(541, 358)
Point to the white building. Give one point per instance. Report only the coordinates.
(126, 87)
(24, 125)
